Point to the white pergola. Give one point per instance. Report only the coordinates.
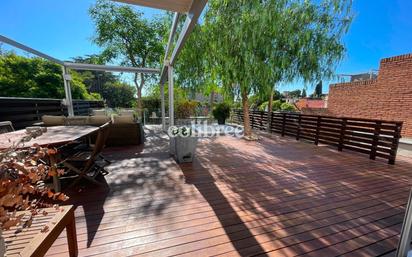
(191, 8)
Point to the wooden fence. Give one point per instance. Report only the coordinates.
(23, 112)
(377, 138)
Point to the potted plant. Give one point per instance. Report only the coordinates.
(185, 110)
(221, 112)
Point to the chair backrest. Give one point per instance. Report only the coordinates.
(5, 127)
(102, 135)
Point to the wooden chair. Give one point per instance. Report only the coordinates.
(6, 126)
(83, 163)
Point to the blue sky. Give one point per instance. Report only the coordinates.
(63, 29)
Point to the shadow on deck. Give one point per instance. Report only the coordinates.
(273, 197)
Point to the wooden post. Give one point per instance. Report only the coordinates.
(283, 123)
(299, 124)
(395, 143)
(37, 111)
(252, 118)
(270, 117)
(375, 140)
(317, 130)
(269, 121)
(261, 120)
(342, 134)
(71, 235)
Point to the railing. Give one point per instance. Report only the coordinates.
(23, 112)
(377, 138)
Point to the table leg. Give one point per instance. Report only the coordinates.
(71, 235)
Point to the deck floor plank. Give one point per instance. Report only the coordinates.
(272, 197)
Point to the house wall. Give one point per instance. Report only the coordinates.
(388, 97)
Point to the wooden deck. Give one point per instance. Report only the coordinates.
(273, 197)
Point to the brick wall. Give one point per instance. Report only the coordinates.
(388, 97)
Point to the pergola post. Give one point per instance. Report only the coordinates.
(163, 108)
(67, 90)
(171, 96)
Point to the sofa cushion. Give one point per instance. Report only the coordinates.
(77, 120)
(50, 120)
(101, 112)
(123, 119)
(98, 120)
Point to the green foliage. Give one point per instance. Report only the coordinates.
(37, 78)
(295, 93)
(304, 94)
(221, 111)
(186, 109)
(126, 36)
(256, 101)
(179, 93)
(118, 94)
(318, 90)
(151, 103)
(254, 45)
(287, 107)
(94, 80)
(276, 106)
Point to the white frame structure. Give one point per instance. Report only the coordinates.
(191, 8)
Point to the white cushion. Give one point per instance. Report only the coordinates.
(98, 120)
(50, 120)
(77, 120)
(101, 112)
(123, 119)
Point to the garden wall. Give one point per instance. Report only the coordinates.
(389, 97)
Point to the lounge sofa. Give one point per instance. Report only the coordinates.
(123, 131)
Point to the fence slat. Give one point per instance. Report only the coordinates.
(361, 135)
(23, 112)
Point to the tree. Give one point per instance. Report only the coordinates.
(304, 93)
(295, 93)
(257, 44)
(129, 38)
(118, 94)
(94, 80)
(37, 78)
(318, 90)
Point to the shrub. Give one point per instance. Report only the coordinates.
(276, 106)
(185, 109)
(288, 107)
(221, 112)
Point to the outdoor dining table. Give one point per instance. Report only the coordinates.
(54, 136)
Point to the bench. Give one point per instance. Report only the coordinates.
(33, 242)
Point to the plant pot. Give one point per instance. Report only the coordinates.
(221, 121)
(184, 148)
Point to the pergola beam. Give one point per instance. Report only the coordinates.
(190, 22)
(96, 67)
(181, 6)
(29, 49)
(171, 36)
